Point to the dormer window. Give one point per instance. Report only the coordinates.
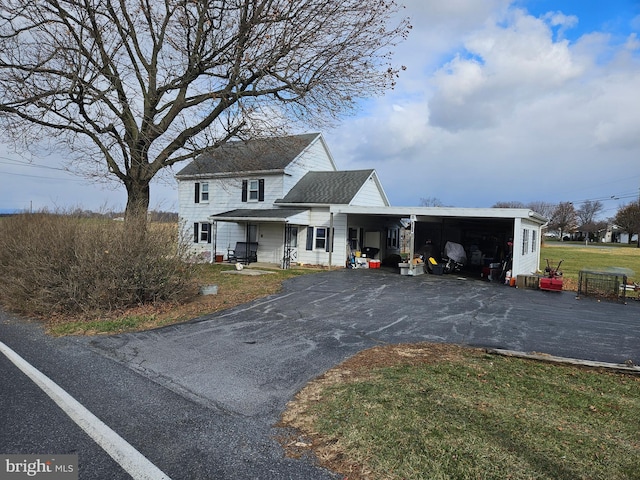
(253, 190)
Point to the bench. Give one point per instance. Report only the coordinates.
(244, 252)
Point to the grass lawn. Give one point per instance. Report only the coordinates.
(433, 411)
(598, 256)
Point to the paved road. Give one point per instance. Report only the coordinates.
(233, 372)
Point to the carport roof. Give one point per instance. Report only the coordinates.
(424, 213)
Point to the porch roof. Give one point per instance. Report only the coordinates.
(278, 215)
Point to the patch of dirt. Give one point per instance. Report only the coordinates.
(299, 439)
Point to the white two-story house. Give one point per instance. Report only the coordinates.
(286, 198)
(278, 193)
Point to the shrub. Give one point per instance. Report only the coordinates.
(55, 263)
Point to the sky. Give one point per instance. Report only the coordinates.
(501, 100)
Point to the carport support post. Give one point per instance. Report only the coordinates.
(412, 239)
(330, 239)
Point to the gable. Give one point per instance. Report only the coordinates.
(327, 188)
(256, 155)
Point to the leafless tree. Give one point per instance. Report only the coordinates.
(511, 204)
(628, 217)
(563, 218)
(543, 208)
(129, 87)
(431, 202)
(586, 214)
(588, 211)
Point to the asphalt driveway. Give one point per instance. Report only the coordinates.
(252, 359)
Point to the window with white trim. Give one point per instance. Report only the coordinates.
(525, 241)
(321, 238)
(201, 232)
(534, 241)
(201, 192)
(253, 190)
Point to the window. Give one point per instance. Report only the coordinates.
(393, 236)
(525, 241)
(353, 238)
(321, 237)
(201, 192)
(253, 190)
(201, 232)
(534, 241)
(318, 238)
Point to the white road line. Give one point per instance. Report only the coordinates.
(130, 459)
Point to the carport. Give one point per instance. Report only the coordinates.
(487, 234)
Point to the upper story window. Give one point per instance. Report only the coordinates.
(201, 192)
(253, 190)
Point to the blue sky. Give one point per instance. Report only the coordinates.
(526, 100)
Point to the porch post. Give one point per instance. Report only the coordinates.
(412, 266)
(212, 259)
(330, 239)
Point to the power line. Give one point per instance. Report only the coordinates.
(39, 176)
(12, 161)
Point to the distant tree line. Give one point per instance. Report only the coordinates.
(152, 215)
(565, 218)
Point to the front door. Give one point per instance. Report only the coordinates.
(290, 246)
(252, 233)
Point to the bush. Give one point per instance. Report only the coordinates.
(53, 263)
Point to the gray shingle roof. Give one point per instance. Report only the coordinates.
(263, 154)
(337, 188)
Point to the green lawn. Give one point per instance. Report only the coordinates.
(599, 256)
(465, 414)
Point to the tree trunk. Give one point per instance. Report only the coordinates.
(137, 201)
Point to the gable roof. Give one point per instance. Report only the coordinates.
(256, 155)
(327, 187)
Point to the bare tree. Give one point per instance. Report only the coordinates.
(512, 204)
(586, 215)
(563, 218)
(543, 208)
(431, 202)
(129, 87)
(628, 217)
(588, 211)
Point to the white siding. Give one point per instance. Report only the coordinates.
(526, 247)
(369, 195)
(318, 256)
(316, 158)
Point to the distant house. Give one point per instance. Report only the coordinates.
(287, 196)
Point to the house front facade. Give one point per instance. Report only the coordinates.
(277, 193)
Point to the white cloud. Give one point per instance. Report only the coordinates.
(514, 112)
